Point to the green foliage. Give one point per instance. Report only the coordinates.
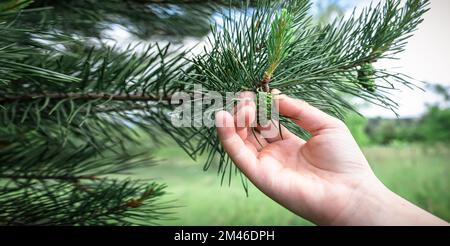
(81, 203)
(435, 125)
(388, 131)
(49, 179)
(278, 42)
(13, 5)
(68, 111)
(366, 77)
(143, 18)
(357, 125)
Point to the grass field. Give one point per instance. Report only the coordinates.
(422, 175)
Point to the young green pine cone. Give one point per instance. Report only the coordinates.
(263, 107)
(366, 77)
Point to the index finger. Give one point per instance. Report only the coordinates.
(233, 144)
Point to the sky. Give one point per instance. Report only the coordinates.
(426, 58)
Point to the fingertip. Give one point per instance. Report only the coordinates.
(276, 91)
(246, 94)
(245, 116)
(224, 120)
(221, 114)
(246, 99)
(233, 144)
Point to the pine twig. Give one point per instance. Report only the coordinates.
(82, 96)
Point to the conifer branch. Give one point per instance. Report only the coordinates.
(83, 97)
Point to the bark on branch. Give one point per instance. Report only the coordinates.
(82, 96)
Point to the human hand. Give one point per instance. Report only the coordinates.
(325, 179)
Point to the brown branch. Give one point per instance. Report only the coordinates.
(82, 96)
(120, 109)
(125, 109)
(265, 82)
(4, 143)
(130, 204)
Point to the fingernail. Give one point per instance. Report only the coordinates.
(276, 91)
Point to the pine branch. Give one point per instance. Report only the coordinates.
(62, 204)
(48, 183)
(278, 42)
(82, 97)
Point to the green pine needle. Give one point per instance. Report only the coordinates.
(280, 37)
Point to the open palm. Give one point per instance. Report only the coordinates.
(316, 178)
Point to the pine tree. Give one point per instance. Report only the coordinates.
(71, 106)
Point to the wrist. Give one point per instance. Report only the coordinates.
(373, 204)
(367, 205)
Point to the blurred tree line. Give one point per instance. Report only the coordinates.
(432, 127)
